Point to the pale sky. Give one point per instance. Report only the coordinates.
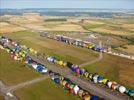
(110, 4)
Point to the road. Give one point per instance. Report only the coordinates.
(39, 31)
(95, 60)
(87, 85)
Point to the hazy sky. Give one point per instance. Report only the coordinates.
(111, 4)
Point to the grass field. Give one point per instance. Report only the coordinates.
(51, 47)
(13, 72)
(112, 67)
(115, 68)
(45, 90)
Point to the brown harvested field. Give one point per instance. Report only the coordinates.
(128, 26)
(39, 23)
(57, 27)
(128, 49)
(111, 31)
(25, 19)
(68, 27)
(8, 28)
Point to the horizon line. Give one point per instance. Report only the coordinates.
(75, 8)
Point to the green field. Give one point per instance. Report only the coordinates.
(51, 47)
(111, 66)
(91, 26)
(45, 90)
(114, 68)
(14, 72)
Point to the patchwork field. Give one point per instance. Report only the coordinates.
(45, 90)
(111, 26)
(118, 33)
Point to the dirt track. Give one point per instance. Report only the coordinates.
(5, 89)
(87, 85)
(95, 60)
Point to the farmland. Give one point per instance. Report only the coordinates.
(82, 55)
(113, 26)
(117, 33)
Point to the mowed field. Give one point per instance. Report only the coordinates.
(14, 72)
(45, 90)
(55, 48)
(115, 68)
